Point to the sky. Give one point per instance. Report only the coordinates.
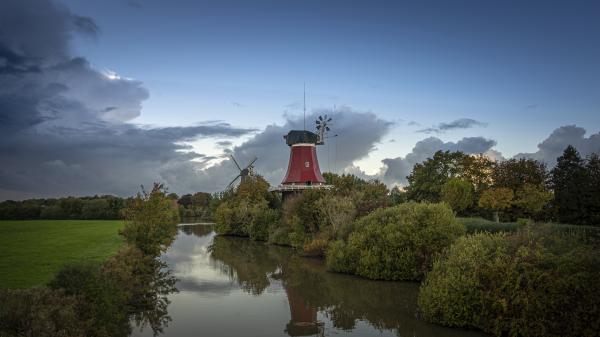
(100, 97)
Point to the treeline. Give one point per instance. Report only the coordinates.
(510, 189)
(103, 300)
(198, 206)
(97, 207)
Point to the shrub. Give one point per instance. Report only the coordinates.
(39, 312)
(531, 283)
(247, 211)
(103, 299)
(315, 247)
(279, 236)
(258, 228)
(338, 258)
(396, 243)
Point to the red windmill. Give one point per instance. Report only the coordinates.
(303, 168)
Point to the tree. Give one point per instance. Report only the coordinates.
(246, 210)
(569, 181)
(151, 221)
(496, 199)
(593, 189)
(532, 198)
(95, 209)
(458, 194)
(337, 211)
(427, 178)
(397, 196)
(515, 173)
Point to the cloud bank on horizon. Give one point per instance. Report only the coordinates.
(66, 127)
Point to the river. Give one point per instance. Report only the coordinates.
(236, 287)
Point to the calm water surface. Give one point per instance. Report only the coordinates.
(236, 287)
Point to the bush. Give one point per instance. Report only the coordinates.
(338, 258)
(39, 312)
(531, 283)
(103, 299)
(315, 247)
(396, 243)
(247, 211)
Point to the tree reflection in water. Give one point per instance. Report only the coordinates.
(343, 299)
(197, 230)
(147, 282)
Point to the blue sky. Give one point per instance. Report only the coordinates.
(523, 67)
(520, 68)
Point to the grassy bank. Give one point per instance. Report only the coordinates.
(34, 250)
(476, 225)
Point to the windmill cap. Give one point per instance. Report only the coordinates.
(300, 136)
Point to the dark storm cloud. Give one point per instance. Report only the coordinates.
(553, 146)
(358, 132)
(64, 124)
(396, 169)
(462, 123)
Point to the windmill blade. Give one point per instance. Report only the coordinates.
(252, 162)
(233, 181)
(236, 164)
(320, 118)
(329, 120)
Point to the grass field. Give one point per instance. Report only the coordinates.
(31, 252)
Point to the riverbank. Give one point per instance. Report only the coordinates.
(33, 251)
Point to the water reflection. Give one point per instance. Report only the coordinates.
(236, 287)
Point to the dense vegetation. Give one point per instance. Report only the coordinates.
(103, 299)
(534, 282)
(396, 243)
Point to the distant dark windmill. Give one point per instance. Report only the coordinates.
(322, 128)
(244, 172)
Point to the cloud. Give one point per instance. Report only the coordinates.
(462, 123)
(396, 169)
(64, 125)
(553, 146)
(358, 132)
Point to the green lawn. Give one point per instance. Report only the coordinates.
(31, 252)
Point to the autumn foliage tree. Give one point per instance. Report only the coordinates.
(532, 198)
(458, 194)
(496, 199)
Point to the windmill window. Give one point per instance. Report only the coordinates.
(306, 164)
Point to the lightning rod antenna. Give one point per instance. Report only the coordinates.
(304, 84)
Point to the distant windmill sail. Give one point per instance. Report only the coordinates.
(244, 172)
